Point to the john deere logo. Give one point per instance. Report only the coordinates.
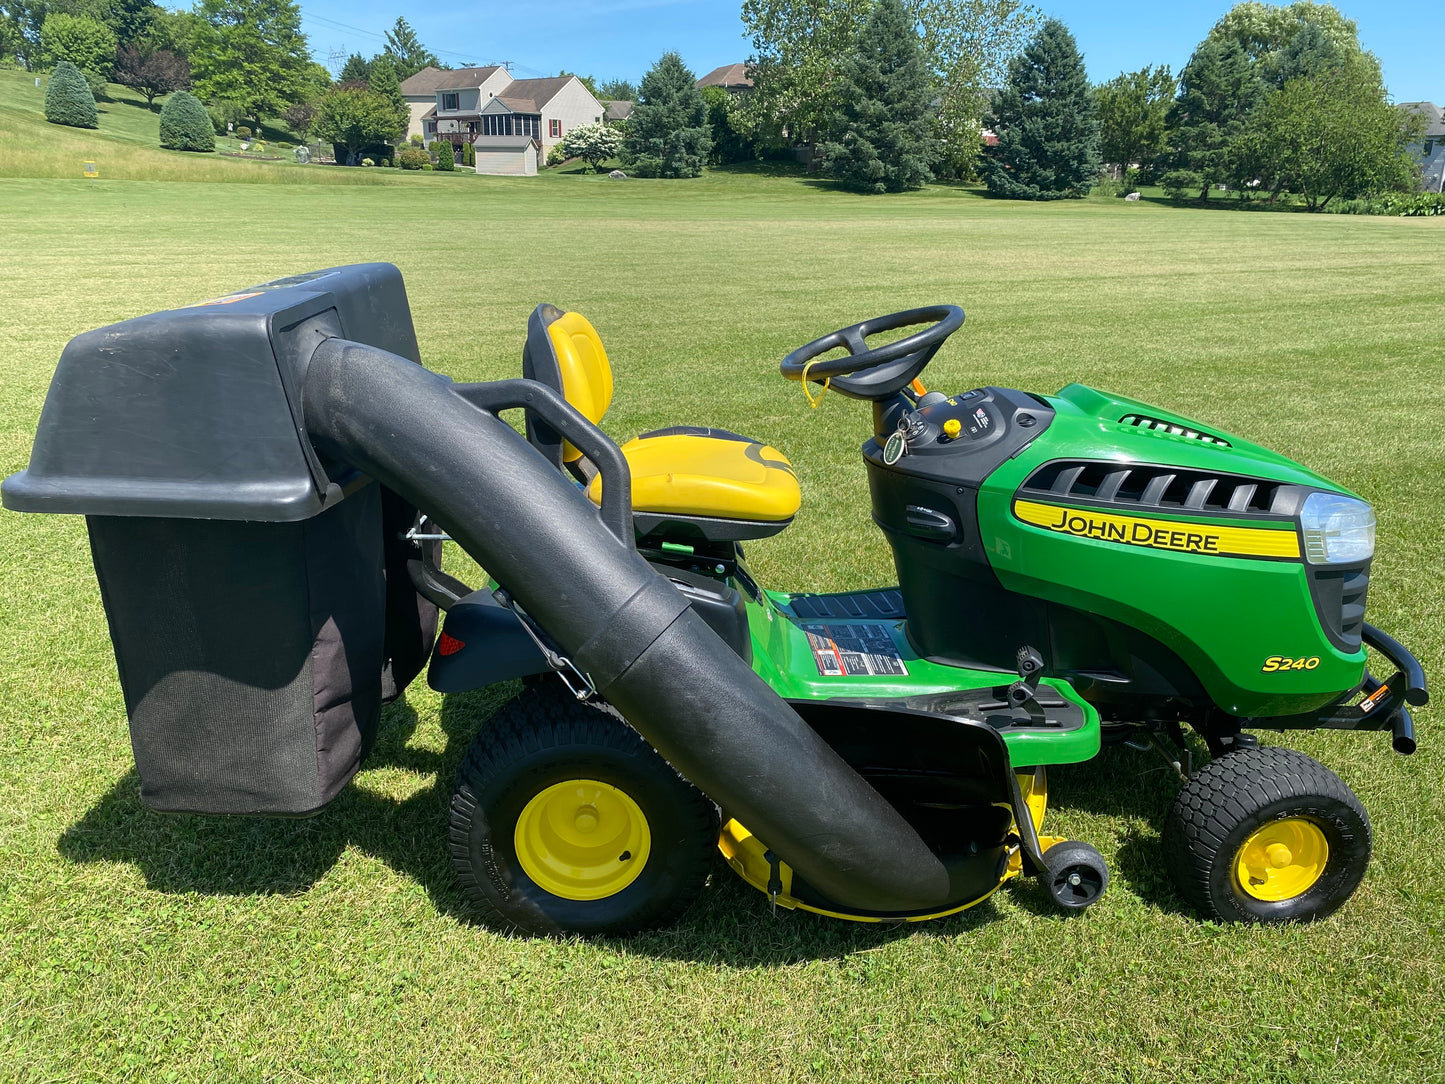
(1213, 539)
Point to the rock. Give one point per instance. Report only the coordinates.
(617, 175)
(1132, 197)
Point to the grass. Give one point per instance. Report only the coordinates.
(136, 946)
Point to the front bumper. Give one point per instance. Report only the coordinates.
(1382, 704)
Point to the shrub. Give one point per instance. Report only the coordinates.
(243, 133)
(412, 158)
(428, 167)
(185, 124)
(469, 155)
(446, 159)
(1180, 184)
(68, 99)
(556, 156)
(416, 140)
(367, 162)
(1413, 205)
(224, 112)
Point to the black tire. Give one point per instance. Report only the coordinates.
(546, 737)
(1229, 800)
(1075, 874)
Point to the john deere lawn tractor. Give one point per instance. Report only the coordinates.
(269, 477)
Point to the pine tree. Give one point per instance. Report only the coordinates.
(881, 138)
(668, 133)
(68, 99)
(385, 83)
(1048, 134)
(408, 55)
(357, 69)
(185, 124)
(1218, 89)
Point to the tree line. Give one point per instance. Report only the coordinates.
(889, 94)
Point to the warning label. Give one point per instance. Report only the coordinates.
(855, 650)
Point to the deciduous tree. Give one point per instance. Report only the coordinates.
(668, 131)
(593, 143)
(85, 42)
(617, 90)
(798, 47)
(881, 137)
(352, 118)
(1133, 111)
(251, 52)
(970, 43)
(151, 71)
(1260, 29)
(1332, 133)
(1048, 134)
(726, 127)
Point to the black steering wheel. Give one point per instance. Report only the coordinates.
(882, 372)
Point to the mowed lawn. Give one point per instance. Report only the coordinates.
(136, 946)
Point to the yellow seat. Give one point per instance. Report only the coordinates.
(690, 481)
(683, 474)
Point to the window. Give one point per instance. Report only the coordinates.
(555, 129)
(450, 102)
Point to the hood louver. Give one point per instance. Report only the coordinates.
(1159, 425)
(1164, 488)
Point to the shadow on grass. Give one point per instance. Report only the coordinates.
(731, 924)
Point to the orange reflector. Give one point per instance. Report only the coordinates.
(918, 388)
(449, 644)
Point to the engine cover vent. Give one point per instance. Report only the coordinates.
(1159, 425)
(1165, 488)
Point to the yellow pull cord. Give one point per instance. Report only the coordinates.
(814, 400)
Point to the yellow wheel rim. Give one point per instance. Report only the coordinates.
(1282, 860)
(582, 840)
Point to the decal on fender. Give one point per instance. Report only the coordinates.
(1213, 539)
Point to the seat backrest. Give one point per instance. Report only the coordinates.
(565, 352)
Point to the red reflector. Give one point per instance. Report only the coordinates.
(449, 645)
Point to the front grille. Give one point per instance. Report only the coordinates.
(1165, 488)
(1159, 425)
(1339, 597)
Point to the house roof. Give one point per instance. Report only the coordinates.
(1434, 122)
(532, 95)
(430, 80)
(729, 75)
(618, 109)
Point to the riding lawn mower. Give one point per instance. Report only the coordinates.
(269, 478)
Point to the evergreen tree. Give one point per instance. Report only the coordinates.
(1217, 90)
(1048, 133)
(385, 83)
(185, 124)
(68, 99)
(406, 52)
(880, 139)
(446, 158)
(668, 130)
(357, 69)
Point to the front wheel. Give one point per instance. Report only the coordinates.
(1266, 835)
(564, 820)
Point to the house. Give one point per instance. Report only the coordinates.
(512, 123)
(1430, 151)
(455, 96)
(617, 110)
(733, 78)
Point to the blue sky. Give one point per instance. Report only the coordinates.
(621, 38)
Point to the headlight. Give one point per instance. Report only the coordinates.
(1338, 530)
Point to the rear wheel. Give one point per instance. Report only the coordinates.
(564, 820)
(1266, 835)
